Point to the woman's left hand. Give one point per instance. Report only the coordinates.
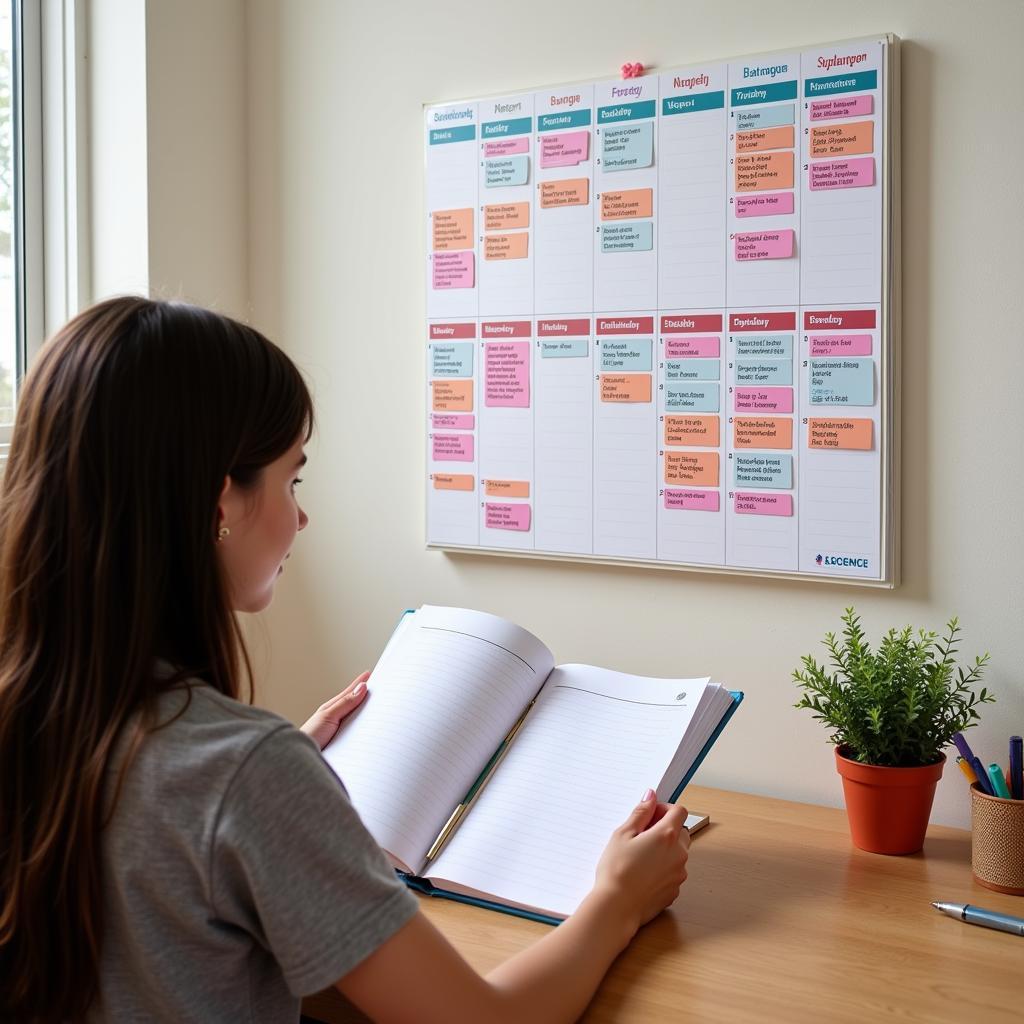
(324, 722)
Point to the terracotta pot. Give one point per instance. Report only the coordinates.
(888, 808)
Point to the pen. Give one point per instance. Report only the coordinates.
(961, 744)
(1017, 767)
(995, 774)
(983, 781)
(967, 770)
(986, 918)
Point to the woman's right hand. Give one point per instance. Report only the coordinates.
(644, 863)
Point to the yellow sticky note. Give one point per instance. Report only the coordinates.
(842, 139)
(453, 229)
(625, 387)
(847, 434)
(570, 192)
(762, 432)
(452, 395)
(453, 481)
(506, 247)
(634, 202)
(682, 431)
(758, 172)
(507, 488)
(502, 216)
(700, 469)
(765, 138)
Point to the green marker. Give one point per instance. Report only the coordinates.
(995, 773)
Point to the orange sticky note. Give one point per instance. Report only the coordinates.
(634, 202)
(692, 430)
(570, 192)
(697, 468)
(762, 432)
(765, 138)
(502, 216)
(454, 482)
(452, 395)
(758, 172)
(453, 229)
(842, 139)
(854, 435)
(506, 247)
(625, 387)
(507, 488)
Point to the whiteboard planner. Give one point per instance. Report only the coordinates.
(661, 318)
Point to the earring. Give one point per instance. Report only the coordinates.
(222, 533)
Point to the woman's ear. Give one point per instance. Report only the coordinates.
(230, 504)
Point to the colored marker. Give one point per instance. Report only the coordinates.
(1017, 767)
(961, 744)
(967, 770)
(982, 777)
(995, 774)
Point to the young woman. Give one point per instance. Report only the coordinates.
(167, 851)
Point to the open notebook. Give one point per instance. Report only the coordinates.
(491, 775)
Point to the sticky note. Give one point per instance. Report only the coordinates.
(502, 216)
(691, 431)
(701, 346)
(451, 395)
(856, 173)
(764, 371)
(840, 344)
(454, 481)
(762, 432)
(453, 270)
(842, 381)
(626, 354)
(506, 247)
(768, 205)
(452, 229)
(631, 236)
(627, 147)
(763, 504)
(697, 501)
(452, 421)
(507, 488)
(757, 469)
(564, 149)
(506, 170)
(625, 387)
(506, 517)
(852, 435)
(764, 117)
(842, 106)
(765, 138)
(570, 192)
(452, 447)
(764, 245)
(693, 369)
(700, 469)
(686, 397)
(507, 374)
(565, 348)
(842, 139)
(634, 202)
(763, 399)
(764, 346)
(451, 359)
(760, 172)
(507, 147)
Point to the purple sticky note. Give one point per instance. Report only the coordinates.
(764, 245)
(753, 504)
(698, 346)
(858, 173)
(763, 399)
(453, 269)
(840, 344)
(564, 149)
(507, 374)
(699, 501)
(453, 447)
(766, 204)
(507, 147)
(452, 421)
(506, 517)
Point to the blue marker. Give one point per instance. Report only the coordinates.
(1017, 767)
(995, 774)
(983, 780)
(965, 751)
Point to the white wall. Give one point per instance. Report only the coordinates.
(335, 275)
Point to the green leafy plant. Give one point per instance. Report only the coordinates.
(897, 706)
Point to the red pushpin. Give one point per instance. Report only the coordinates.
(632, 70)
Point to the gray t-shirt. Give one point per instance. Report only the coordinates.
(237, 875)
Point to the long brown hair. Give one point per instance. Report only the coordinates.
(128, 425)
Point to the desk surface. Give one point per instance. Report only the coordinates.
(782, 919)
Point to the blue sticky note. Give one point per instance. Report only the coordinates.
(759, 469)
(691, 397)
(506, 170)
(628, 146)
(764, 346)
(626, 354)
(842, 381)
(451, 359)
(764, 371)
(693, 369)
(766, 117)
(628, 236)
(565, 348)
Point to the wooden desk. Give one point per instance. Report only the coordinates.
(782, 919)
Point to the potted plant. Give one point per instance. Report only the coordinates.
(891, 712)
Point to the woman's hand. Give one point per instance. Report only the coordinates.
(324, 722)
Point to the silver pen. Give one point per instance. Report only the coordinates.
(986, 918)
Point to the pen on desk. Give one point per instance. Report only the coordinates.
(1017, 767)
(967, 770)
(986, 918)
(998, 780)
(983, 780)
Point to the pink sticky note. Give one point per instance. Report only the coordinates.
(763, 504)
(840, 344)
(507, 374)
(763, 399)
(506, 517)
(766, 204)
(452, 421)
(699, 501)
(764, 245)
(701, 346)
(453, 269)
(842, 106)
(453, 447)
(857, 173)
(564, 149)
(507, 147)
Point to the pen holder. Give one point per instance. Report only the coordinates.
(997, 842)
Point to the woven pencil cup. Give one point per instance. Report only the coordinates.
(997, 842)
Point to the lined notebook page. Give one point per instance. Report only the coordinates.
(593, 743)
(448, 688)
